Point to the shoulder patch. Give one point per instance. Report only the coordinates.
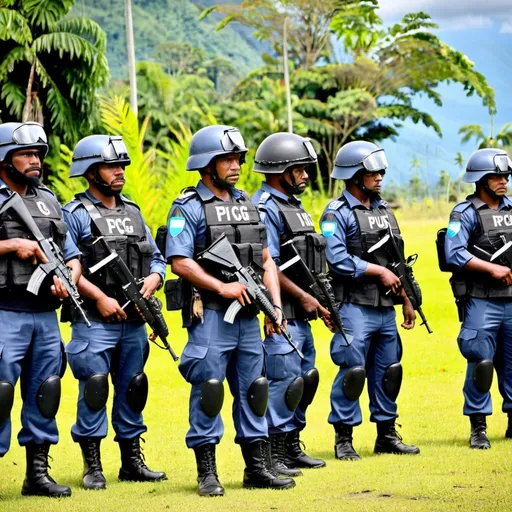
(453, 228)
(176, 223)
(264, 198)
(328, 225)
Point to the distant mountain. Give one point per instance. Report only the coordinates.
(160, 21)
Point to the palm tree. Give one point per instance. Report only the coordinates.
(50, 66)
(475, 131)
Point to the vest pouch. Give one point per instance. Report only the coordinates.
(174, 296)
(139, 259)
(217, 231)
(316, 253)
(58, 230)
(21, 270)
(459, 286)
(161, 239)
(250, 233)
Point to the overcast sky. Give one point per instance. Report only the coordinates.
(454, 14)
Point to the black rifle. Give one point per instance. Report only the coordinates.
(149, 309)
(222, 255)
(402, 269)
(318, 285)
(56, 263)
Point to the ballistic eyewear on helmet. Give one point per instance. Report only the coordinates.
(311, 154)
(502, 164)
(114, 151)
(232, 140)
(29, 133)
(376, 161)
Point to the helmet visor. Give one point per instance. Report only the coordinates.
(29, 133)
(376, 161)
(232, 140)
(310, 149)
(502, 164)
(115, 150)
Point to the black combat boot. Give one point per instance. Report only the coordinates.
(258, 471)
(37, 480)
(133, 468)
(508, 433)
(390, 441)
(478, 439)
(295, 457)
(277, 455)
(207, 477)
(343, 448)
(93, 472)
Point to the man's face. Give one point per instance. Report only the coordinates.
(373, 180)
(498, 183)
(228, 168)
(113, 175)
(297, 178)
(27, 162)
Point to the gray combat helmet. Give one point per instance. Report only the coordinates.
(18, 136)
(213, 141)
(280, 151)
(98, 149)
(486, 161)
(357, 156)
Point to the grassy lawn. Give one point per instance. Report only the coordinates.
(446, 476)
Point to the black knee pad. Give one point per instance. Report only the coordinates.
(257, 396)
(96, 391)
(48, 397)
(137, 392)
(293, 394)
(482, 375)
(353, 382)
(311, 380)
(212, 397)
(6, 400)
(392, 380)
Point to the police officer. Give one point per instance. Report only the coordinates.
(479, 227)
(352, 225)
(285, 159)
(117, 341)
(31, 345)
(215, 348)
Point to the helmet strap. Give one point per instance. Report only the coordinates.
(218, 182)
(292, 188)
(358, 181)
(21, 179)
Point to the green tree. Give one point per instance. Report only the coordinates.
(51, 66)
(475, 131)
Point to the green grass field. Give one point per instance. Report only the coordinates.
(446, 476)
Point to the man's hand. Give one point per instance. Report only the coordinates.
(27, 249)
(409, 315)
(58, 289)
(110, 309)
(502, 274)
(389, 280)
(270, 327)
(151, 283)
(326, 317)
(234, 291)
(311, 305)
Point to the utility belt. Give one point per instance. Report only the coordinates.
(180, 295)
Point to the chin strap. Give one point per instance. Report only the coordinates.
(19, 178)
(358, 182)
(485, 185)
(292, 188)
(222, 184)
(103, 186)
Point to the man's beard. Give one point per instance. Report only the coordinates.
(20, 178)
(105, 188)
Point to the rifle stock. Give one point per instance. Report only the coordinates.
(221, 254)
(51, 250)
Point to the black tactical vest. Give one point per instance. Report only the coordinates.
(240, 221)
(494, 230)
(124, 229)
(373, 224)
(46, 212)
(310, 245)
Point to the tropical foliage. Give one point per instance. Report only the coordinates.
(51, 65)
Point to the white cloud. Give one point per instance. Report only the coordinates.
(453, 14)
